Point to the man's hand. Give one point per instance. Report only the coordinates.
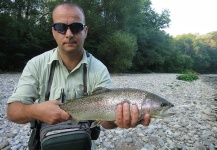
(126, 119)
(51, 113)
(48, 112)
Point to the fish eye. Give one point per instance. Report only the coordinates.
(163, 104)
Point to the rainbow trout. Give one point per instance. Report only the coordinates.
(101, 105)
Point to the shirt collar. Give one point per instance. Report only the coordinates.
(55, 56)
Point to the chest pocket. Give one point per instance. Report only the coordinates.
(79, 91)
(55, 94)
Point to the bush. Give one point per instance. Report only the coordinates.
(188, 77)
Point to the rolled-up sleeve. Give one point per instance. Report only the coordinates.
(98, 75)
(103, 79)
(27, 88)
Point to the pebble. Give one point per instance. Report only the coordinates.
(129, 140)
(4, 144)
(145, 139)
(194, 127)
(140, 134)
(108, 144)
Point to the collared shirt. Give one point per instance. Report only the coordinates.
(33, 82)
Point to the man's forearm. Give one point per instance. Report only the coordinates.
(48, 112)
(20, 113)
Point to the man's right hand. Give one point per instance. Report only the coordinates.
(48, 112)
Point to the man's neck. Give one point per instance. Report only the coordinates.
(71, 60)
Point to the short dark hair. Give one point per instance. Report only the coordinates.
(71, 4)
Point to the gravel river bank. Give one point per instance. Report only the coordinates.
(194, 127)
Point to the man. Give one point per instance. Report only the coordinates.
(70, 32)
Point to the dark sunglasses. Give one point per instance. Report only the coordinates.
(75, 27)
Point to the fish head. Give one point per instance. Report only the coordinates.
(156, 106)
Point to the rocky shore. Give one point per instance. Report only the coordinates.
(194, 127)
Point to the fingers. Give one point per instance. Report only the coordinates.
(119, 116)
(124, 118)
(127, 117)
(65, 116)
(56, 102)
(135, 115)
(147, 119)
(51, 113)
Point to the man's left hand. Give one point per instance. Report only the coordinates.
(127, 119)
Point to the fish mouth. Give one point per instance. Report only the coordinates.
(167, 112)
(163, 115)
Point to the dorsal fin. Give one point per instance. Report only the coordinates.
(100, 90)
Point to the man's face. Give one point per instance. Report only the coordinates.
(69, 43)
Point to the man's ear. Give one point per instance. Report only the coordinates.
(85, 31)
(53, 31)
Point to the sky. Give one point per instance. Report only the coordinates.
(189, 16)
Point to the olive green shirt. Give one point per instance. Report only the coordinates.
(33, 82)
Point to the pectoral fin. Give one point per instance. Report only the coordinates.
(141, 117)
(75, 121)
(95, 123)
(154, 116)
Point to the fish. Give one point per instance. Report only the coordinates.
(101, 105)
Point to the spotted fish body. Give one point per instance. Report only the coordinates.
(102, 104)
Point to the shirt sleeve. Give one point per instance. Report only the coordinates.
(99, 76)
(104, 79)
(27, 87)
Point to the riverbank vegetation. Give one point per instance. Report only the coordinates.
(126, 35)
(188, 77)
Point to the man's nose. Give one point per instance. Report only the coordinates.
(69, 33)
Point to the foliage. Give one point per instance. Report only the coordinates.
(127, 35)
(188, 77)
(118, 52)
(25, 32)
(154, 49)
(202, 51)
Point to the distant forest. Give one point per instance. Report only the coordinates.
(126, 35)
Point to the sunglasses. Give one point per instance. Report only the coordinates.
(75, 27)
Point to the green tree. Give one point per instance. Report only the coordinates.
(153, 43)
(201, 49)
(154, 49)
(177, 61)
(207, 58)
(27, 31)
(117, 52)
(126, 35)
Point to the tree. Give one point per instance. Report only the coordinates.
(201, 49)
(128, 31)
(117, 52)
(27, 33)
